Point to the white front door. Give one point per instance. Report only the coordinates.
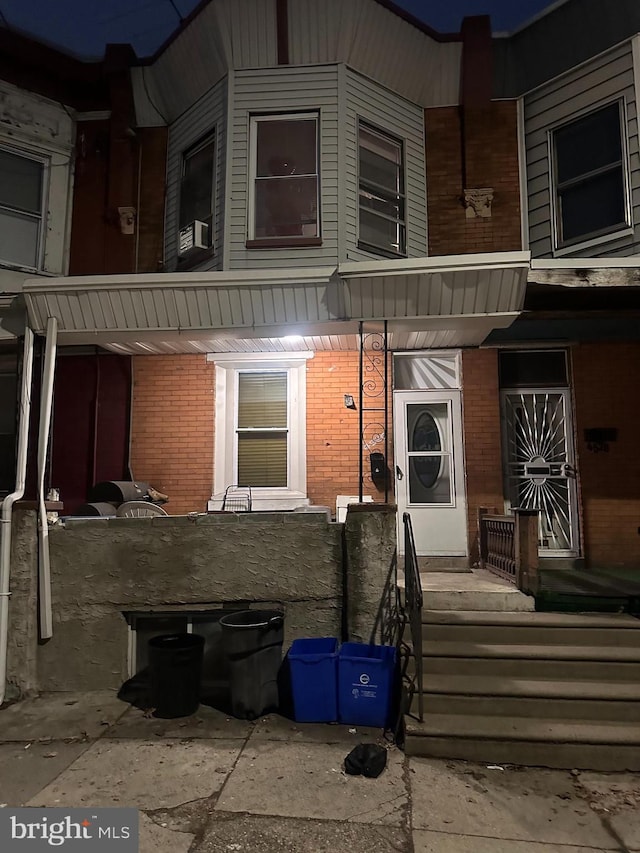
(430, 472)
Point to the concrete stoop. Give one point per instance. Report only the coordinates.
(474, 589)
(545, 689)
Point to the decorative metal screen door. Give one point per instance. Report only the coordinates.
(429, 470)
(539, 470)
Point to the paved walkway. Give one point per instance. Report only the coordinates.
(212, 784)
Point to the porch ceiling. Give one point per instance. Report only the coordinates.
(428, 302)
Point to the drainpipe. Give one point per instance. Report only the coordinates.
(46, 402)
(8, 502)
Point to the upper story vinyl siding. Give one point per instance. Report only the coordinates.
(378, 43)
(392, 114)
(236, 35)
(286, 89)
(207, 115)
(603, 80)
(224, 35)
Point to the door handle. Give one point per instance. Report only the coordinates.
(399, 473)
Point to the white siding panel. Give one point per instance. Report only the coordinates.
(389, 112)
(206, 115)
(361, 32)
(284, 89)
(606, 78)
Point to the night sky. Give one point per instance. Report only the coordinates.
(84, 26)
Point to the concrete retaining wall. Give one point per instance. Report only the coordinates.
(103, 569)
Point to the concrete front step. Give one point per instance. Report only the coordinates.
(530, 628)
(529, 651)
(527, 688)
(475, 590)
(533, 688)
(555, 749)
(521, 667)
(533, 707)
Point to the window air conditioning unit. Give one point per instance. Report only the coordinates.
(195, 235)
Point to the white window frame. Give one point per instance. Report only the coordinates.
(228, 366)
(365, 245)
(565, 247)
(44, 161)
(253, 167)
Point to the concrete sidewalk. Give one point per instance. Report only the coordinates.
(212, 784)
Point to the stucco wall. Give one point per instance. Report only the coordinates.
(103, 569)
(23, 614)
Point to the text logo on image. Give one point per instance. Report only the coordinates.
(34, 830)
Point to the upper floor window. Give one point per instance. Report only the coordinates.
(284, 179)
(381, 193)
(22, 181)
(590, 180)
(197, 197)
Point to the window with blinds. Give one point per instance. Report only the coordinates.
(262, 429)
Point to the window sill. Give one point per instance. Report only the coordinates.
(587, 243)
(383, 253)
(284, 243)
(266, 500)
(190, 262)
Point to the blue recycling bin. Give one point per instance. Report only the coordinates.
(313, 667)
(365, 683)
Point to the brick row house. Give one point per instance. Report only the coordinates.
(269, 258)
(324, 252)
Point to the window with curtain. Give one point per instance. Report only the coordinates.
(590, 176)
(21, 202)
(262, 429)
(381, 195)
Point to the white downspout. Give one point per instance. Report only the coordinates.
(46, 402)
(8, 502)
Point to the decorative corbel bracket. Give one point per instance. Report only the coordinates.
(477, 202)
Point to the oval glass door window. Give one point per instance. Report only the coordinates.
(426, 437)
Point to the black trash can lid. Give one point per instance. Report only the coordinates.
(253, 619)
(177, 641)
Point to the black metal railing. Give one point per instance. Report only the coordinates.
(413, 602)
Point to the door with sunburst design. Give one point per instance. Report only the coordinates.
(539, 463)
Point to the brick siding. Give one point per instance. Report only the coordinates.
(480, 150)
(609, 481)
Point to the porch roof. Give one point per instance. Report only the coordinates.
(447, 301)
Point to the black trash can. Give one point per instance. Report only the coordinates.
(175, 664)
(252, 641)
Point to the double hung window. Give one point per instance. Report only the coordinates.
(197, 192)
(260, 427)
(590, 181)
(381, 193)
(22, 181)
(284, 179)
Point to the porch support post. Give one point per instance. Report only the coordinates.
(526, 550)
(482, 535)
(46, 403)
